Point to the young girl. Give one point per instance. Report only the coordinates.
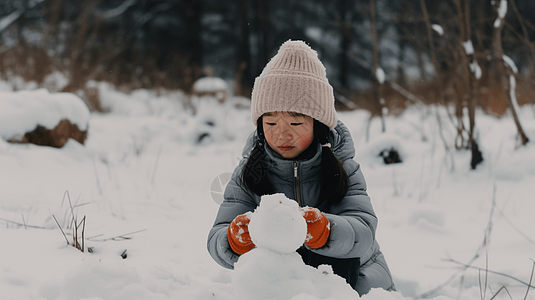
(300, 149)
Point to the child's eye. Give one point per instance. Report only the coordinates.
(271, 124)
(295, 124)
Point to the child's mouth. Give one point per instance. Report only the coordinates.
(285, 148)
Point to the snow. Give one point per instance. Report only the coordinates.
(380, 74)
(144, 185)
(438, 29)
(476, 69)
(119, 10)
(22, 111)
(502, 11)
(6, 21)
(261, 274)
(468, 47)
(209, 84)
(510, 63)
(278, 224)
(512, 92)
(9, 19)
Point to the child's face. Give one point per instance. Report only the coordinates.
(288, 135)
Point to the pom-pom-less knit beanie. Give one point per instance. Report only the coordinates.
(294, 80)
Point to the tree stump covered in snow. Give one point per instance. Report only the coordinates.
(56, 137)
(211, 86)
(41, 118)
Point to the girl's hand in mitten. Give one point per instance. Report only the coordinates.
(318, 227)
(238, 234)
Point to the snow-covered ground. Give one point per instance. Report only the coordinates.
(146, 189)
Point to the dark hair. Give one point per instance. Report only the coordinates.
(253, 173)
(334, 181)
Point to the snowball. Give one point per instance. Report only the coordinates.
(278, 224)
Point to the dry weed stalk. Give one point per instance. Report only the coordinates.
(78, 228)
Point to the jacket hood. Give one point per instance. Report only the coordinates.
(339, 138)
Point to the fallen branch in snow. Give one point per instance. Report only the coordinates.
(116, 238)
(20, 224)
(482, 246)
(465, 266)
(516, 228)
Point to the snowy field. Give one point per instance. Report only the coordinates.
(146, 190)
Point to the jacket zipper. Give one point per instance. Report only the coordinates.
(297, 183)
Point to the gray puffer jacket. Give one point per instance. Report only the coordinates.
(353, 221)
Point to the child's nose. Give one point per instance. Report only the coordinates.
(286, 136)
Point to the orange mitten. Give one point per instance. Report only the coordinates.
(318, 227)
(238, 234)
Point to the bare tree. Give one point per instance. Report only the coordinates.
(378, 71)
(471, 72)
(506, 69)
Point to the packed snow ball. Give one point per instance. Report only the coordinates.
(278, 224)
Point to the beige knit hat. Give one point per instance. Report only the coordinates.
(294, 80)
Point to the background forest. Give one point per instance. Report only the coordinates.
(166, 43)
(380, 55)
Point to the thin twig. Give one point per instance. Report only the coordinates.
(79, 205)
(92, 237)
(465, 266)
(482, 246)
(502, 288)
(156, 165)
(83, 233)
(72, 209)
(20, 224)
(99, 187)
(24, 222)
(530, 280)
(119, 237)
(516, 228)
(61, 229)
(481, 293)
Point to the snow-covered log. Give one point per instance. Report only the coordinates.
(41, 118)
